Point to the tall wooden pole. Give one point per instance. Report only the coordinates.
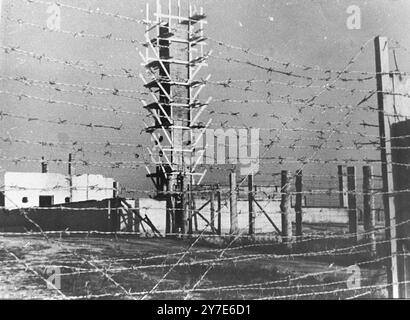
(298, 204)
(252, 216)
(219, 208)
(352, 201)
(401, 157)
(369, 218)
(386, 107)
(285, 209)
(233, 203)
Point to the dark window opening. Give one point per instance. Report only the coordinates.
(46, 201)
(24, 200)
(67, 200)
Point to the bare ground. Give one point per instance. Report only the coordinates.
(90, 269)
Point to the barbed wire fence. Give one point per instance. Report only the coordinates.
(305, 135)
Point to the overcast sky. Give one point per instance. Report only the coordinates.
(310, 33)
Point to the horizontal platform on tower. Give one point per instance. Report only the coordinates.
(193, 41)
(193, 105)
(176, 174)
(156, 63)
(154, 128)
(196, 39)
(179, 150)
(195, 18)
(156, 83)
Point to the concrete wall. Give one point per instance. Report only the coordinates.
(93, 216)
(92, 187)
(33, 185)
(156, 211)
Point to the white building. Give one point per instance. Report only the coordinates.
(24, 190)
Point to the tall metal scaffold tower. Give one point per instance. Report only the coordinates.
(174, 56)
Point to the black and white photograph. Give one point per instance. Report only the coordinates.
(213, 152)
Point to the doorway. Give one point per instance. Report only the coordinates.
(46, 201)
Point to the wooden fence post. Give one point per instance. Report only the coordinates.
(130, 221)
(298, 203)
(115, 217)
(252, 216)
(219, 208)
(400, 134)
(352, 205)
(212, 207)
(387, 108)
(369, 219)
(109, 216)
(342, 187)
(285, 208)
(233, 203)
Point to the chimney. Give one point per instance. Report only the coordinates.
(44, 167)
